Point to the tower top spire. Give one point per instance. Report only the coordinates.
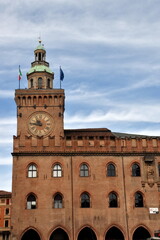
(40, 45)
(40, 40)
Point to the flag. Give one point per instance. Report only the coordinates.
(20, 74)
(61, 74)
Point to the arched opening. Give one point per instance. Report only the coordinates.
(58, 201)
(114, 234)
(87, 234)
(141, 234)
(85, 200)
(39, 83)
(29, 100)
(31, 83)
(159, 169)
(48, 83)
(57, 170)
(138, 200)
(136, 172)
(32, 171)
(111, 170)
(84, 170)
(113, 201)
(31, 235)
(59, 234)
(31, 202)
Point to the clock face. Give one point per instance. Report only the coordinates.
(40, 124)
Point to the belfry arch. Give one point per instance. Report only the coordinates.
(59, 234)
(114, 233)
(87, 234)
(31, 234)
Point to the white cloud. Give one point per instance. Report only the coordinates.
(8, 121)
(136, 113)
(5, 160)
(6, 94)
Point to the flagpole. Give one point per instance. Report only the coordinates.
(60, 76)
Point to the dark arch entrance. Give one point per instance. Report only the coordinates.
(114, 234)
(87, 234)
(141, 234)
(31, 235)
(59, 234)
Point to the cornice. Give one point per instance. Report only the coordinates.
(85, 153)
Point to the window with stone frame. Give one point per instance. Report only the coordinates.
(31, 202)
(84, 170)
(58, 201)
(136, 172)
(111, 170)
(138, 200)
(32, 171)
(57, 171)
(85, 200)
(113, 200)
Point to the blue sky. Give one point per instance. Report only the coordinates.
(109, 51)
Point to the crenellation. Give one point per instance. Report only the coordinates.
(89, 143)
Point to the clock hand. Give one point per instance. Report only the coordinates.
(33, 123)
(38, 123)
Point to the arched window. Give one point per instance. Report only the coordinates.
(39, 82)
(31, 202)
(32, 171)
(31, 83)
(113, 202)
(84, 171)
(159, 169)
(48, 83)
(136, 170)
(85, 200)
(111, 170)
(39, 56)
(138, 199)
(58, 203)
(57, 170)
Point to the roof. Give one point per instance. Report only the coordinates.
(40, 47)
(5, 194)
(39, 68)
(103, 132)
(88, 132)
(129, 135)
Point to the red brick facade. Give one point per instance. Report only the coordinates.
(5, 215)
(78, 184)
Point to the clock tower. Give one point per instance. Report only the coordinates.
(40, 108)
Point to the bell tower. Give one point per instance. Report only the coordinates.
(40, 75)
